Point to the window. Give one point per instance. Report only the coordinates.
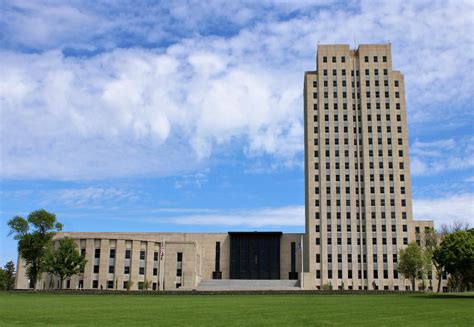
(333, 59)
(155, 256)
(384, 58)
(318, 258)
(366, 58)
(111, 269)
(343, 59)
(329, 273)
(396, 83)
(141, 271)
(179, 272)
(325, 59)
(95, 284)
(83, 252)
(376, 274)
(96, 269)
(142, 255)
(126, 270)
(318, 274)
(179, 257)
(97, 253)
(112, 254)
(385, 274)
(339, 274)
(155, 271)
(128, 254)
(110, 284)
(376, 59)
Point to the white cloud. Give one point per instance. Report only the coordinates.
(260, 217)
(431, 158)
(445, 210)
(195, 180)
(167, 110)
(91, 196)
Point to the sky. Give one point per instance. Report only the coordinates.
(187, 116)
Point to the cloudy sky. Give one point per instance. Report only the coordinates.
(188, 116)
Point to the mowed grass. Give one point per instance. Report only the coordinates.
(18, 309)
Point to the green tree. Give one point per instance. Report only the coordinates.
(8, 276)
(456, 254)
(2, 280)
(413, 263)
(432, 240)
(34, 235)
(65, 261)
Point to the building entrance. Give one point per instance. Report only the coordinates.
(255, 255)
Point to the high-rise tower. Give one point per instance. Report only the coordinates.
(358, 197)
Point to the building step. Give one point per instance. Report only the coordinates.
(247, 284)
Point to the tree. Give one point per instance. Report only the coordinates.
(7, 280)
(456, 254)
(432, 242)
(2, 280)
(65, 261)
(34, 235)
(413, 263)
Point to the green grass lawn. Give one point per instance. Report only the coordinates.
(234, 310)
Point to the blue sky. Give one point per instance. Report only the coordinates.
(188, 116)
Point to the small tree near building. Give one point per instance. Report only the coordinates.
(34, 235)
(413, 263)
(65, 261)
(7, 280)
(432, 240)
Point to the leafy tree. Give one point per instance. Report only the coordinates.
(2, 280)
(7, 280)
(34, 235)
(413, 263)
(456, 254)
(66, 261)
(432, 241)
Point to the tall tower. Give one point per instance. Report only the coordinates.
(357, 178)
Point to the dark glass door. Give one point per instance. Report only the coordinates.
(255, 255)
